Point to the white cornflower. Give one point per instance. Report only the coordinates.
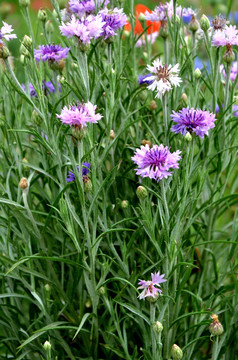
(165, 78)
(5, 32)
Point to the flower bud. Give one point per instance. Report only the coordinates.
(42, 16)
(36, 119)
(126, 33)
(215, 327)
(27, 42)
(176, 352)
(153, 105)
(24, 165)
(145, 55)
(102, 290)
(88, 303)
(124, 204)
(112, 134)
(23, 59)
(23, 50)
(62, 80)
(184, 100)
(146, 142)
(47, 345)
(23, 183)
(88, 185)
(197, 74)
(152, 299)
(188, 137)
(194, 24)
(141, 17)
(24, 3)
(229, 56)
(49, 27)
(164, 31)
(204, 23)
(141, 192)
(4, 52)
(47, 287)
(157, 327)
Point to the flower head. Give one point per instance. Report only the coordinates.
(155, 162)
(114, 20)
(79, 115)
(234, 70)
(85, 29)
(226, 37)
(164, 11)
(191, 120)
(47, 86)
(5, 32)
(142, 79)
(164, 77)
(149, 287)
(219, 23)
(85, 171)
(50, 52)
(85, 7)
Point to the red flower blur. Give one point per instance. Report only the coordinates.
(154, 26)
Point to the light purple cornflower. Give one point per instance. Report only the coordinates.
(155, 162)
(234, 70)
(219, 23)
(142, 79)
(193, 120)
(47, 86)
(114, 20)
(5, 32)
(84, 29)
(79, 115)
(51, 53)
(149, 287)
(85, 171)
(164, 11)
(227, 37)
(85, 7)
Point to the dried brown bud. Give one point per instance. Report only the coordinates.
(23, 183)
(153, 105)
(146, 142)
(112, 134)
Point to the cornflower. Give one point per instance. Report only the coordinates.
(234, 70)
(85, 171)
(52, 53)
(86, 7)
(226, 37)
(5, 32)
(149, 287)
(114, 20)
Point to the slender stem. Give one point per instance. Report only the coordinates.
(152, 320)
(165, 116)
(28, 20)
(193, 46)
(215, 78)
(215, 349)
(166, 51)
(226, 97)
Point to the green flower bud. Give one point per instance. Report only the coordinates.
(141, 192)
(188, 137)
(197, 74)
(23, 59)
(102, 290)
(88, 185)
(184, 100)
(42, 15)
(204, 23)
(27, 42)
(24, 3)
(176, 352)
(216, 327)
(47, 345)
(194, 24)
(36, 119)
(49, 27)
(23, 50)
(47, 287)
(152, 299)
(125, 204)
(229, 55)
(4, 52)
(153, 105)
(157, 327)
(164, 31)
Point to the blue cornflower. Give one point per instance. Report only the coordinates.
(85, 171)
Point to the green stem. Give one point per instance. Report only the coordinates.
(166, 51)
(215, 349)
(152, 321)
(226, 97)
(215, 79)
(165, 116)
(193, 47)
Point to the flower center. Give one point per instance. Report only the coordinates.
(219, 23)
(163, 73)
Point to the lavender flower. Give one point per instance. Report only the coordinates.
(79, 115)
(142, 79)
(114, 20)
(164, 11)
(85, 29)
(47, 86)
(5, 32)
(191, 120)
(85, 7)
(149, 287)
(85, 171)
(165, 77)
(51, 53)
(219, 23)
(155, 162)
(227, 37)
(234, 70)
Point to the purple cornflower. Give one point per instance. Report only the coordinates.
(85, 7)
(142, 79)
(50, 52)
(234, 70)
(47, 86)
(85, 171)
(162, 11)
(85, 29)
(79, 115)
(155, 162)
(219, 23)
(191, 120)
(227, 37)
(114, 20)
(149, 287)
(5, 32)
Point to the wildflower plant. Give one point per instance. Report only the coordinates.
(118, 164)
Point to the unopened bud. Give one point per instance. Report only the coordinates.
(126, 33)
(184, 100)
(112, 134)
(194, 24)
(188, 137)
(88, 185)
(146, 142)
(4, 52)
(24, 3)
(197, 74)
(153, 105)
(47, 287)
(102, 290)
(141, 192)
(157, 327)
(47, 345)
(204, 23)
(24, 51)
(215, 327)
(88, 303)
(152, 299)
(176, 352)
(36, 119)
(124, 204)
(229, 56)
(27, 42)
(42, 15)
(23, 183)
(145, 55)
(141, 17)
(62, 80)
(23, 59)
(164, 31)
(49, 27)
(25, 162)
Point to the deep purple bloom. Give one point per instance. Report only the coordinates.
(227, 37)
(5, 32)
(191, 120)
(114, 20)
(79, 115)
(142, 79)
(85, 7)
(50, 52)
(155, 162)
(85, 29)
(85, 171)
(149, 287)
(47, 86)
